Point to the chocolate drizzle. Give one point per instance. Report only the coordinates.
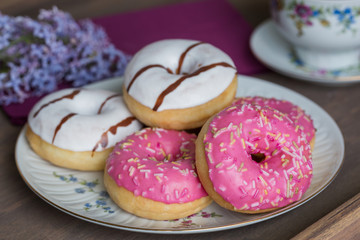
(183, 55)
(145, 69)
(174, 85)
(67, 117)
(178, 70)
(69, 96)
(113, 129)
(185, 76)
(106, 100)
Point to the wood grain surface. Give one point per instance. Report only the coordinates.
(341, 223)
(23, 215)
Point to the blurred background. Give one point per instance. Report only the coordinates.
(81, 8)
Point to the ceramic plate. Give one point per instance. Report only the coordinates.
(82, 194)
(275, 52)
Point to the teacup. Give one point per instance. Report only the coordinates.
(324, 33)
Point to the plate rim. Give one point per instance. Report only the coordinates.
(326, 80)
(195, 230)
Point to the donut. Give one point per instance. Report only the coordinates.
(178, 84)
(152, 174)
(78, 128)
(250, 159)
(296, 114)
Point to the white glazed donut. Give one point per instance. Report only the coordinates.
(78, 128)
(189, 80)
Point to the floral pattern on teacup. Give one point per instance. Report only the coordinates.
(347, 17)
(305, 15)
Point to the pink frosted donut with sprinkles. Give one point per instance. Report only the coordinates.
(152, 174)
(252, 160)
(288, 110)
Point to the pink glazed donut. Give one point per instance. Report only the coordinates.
(251, 159)
(152, 174)
(296, 114)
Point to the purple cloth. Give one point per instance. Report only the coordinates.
(212, 21)
(18, 112)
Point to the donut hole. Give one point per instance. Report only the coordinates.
(190, 67)
(258, 157)
(168, 151)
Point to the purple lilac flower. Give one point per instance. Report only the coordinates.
(37, 55)
(96, 57)
(6, 29)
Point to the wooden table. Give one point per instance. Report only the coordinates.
(24, 215)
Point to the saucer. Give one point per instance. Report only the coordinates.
(276, 53)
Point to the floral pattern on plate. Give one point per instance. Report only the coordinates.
(103, 197)
(88, 186)
(298, 63)
(189, 220)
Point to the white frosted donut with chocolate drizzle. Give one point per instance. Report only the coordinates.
(78, 128)
(179, 84)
